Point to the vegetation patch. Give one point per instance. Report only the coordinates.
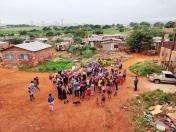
(24, 68)
(54, 66)
(146, 67)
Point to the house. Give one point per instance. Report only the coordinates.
(67, 42)
(30, 54)
(4, 45)
(105, 43)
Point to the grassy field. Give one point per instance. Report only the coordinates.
(110, 31)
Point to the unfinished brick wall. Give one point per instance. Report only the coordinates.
(34, 57)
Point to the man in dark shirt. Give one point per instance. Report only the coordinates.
(135, 83)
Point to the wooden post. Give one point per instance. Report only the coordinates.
(174, 45)
(162, 45)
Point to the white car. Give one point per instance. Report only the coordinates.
(164, 76)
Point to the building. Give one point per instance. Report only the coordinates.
(168, 54)
(31, 54)
(107, 43)
(41, 39)
(4, 45)
(67, 42)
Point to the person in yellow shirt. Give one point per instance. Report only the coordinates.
(99, 83)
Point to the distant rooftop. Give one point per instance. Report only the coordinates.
(33, 46)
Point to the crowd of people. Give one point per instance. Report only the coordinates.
(96, 78)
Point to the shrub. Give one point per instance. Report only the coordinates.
(24, 68)
(15, 41)
(88, 53)
(54, 66)
(146, 67)
(157, 97)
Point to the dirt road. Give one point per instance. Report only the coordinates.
(18, 114)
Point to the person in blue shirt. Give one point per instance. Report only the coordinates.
(51, 102)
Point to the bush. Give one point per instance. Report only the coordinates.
(15, 41)
(54, 66)
(24, 68)
(146, 67)
(88, 53)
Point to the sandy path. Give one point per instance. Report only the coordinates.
(18, 114)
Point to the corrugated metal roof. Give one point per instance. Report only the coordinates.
(33, 46)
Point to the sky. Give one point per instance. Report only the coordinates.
(85, 11)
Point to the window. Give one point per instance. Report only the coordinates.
(24, 56)
(9, 56)
(169, 76)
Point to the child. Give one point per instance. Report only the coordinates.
(92, 89)
(124, 74)
(103, 98)
(36, 83)
(51, 102)
(88, 92)
(109, 90)
(31, 96)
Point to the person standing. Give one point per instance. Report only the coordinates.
(64, 93)
(51, 102)
(136, 83)
(31, 96)
(124, 75)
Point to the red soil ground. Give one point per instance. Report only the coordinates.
(18, 114)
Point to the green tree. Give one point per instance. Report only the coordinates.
(106, 26)
(98, 31)
(133, 24)
(49, 34)
(23, 32)
(55, 28)
(145, 24)
(170, 24)
(156, 31)
(15, 41)
(46, 29)
(59, 40)
(77, 39)
(141, 39)
(171, 37)
(80, 32)
(158, 24)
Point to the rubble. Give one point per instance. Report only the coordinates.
(164, 117)
(157, 110)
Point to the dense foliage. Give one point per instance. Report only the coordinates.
(15, 41)
(140, 39)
